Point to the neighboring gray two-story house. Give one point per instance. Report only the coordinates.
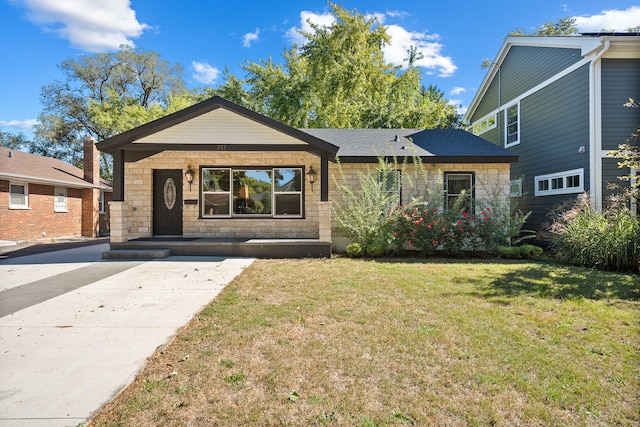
(557, 103)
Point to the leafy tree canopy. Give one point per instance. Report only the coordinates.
(339, 78)
(104, 94)
(563, 27)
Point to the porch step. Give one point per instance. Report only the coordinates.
(136, 254)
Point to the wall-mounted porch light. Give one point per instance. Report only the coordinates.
(311, 176)
(189, 174)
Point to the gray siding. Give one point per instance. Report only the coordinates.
(610, 176)
(489, 101)
(620, 81)
(554, 124)
(525, 67)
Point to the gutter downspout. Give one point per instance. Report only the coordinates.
(595, 130)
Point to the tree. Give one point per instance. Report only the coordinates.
(339, 78)
(104, 94)
(13, 141)
(563, 27)
(629, 155)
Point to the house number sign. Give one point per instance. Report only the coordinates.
(169, 193)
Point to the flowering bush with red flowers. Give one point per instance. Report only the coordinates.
(428, 229)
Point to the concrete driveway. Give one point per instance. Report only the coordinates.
(75, 330)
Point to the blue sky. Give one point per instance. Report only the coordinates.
(206, 36)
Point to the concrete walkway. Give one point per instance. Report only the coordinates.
(75, 330)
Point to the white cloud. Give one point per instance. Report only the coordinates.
(20, 124)
(91, 25)
(398, 14)
(250, 38)
(457, 90)
(324, 19)
(618, 20)
(402, 40)
(204, 73)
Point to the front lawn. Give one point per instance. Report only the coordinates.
(399, 343)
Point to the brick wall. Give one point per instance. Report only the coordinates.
(29, 224)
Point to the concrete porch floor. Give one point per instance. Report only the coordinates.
(258, 248)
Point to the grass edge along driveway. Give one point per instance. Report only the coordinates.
(400, 342)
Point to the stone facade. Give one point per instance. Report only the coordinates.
(491, 185)
(138, 206)
(133, 218)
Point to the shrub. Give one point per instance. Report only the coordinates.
(530, 251)
(376, 250)
(510, 252)
(354, 250)
(363, 213)
(608, 241)
(520, 252)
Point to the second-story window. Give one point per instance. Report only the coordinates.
(512, 127)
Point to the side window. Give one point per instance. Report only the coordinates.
(60, 199)
(568, 182)
(391, 182)
(515, 188)
(512, 127)
(19, 196)
(459, 191)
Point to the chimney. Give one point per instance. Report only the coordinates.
(91, 161)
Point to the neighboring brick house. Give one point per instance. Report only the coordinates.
(43, 197)
(220, 171)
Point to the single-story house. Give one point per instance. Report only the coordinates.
(216, 174)
(43, 197)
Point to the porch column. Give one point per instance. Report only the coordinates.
(119, 221)
(324, 221)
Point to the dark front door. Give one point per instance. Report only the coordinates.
(167, 202)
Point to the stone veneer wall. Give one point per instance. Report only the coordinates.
(139, 196)
(491, 179)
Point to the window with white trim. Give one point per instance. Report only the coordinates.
(485, 124)
(251, 192)
(567, 182)
(515, 188)
(458, 190)
(19, 196)
(391, 183)
(60, 199)
(511, 125)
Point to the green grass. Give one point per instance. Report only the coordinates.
(398, 343)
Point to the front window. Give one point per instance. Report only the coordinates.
(244, 192)
(512, 130)
(101, 203)
(18, 196)
(60, 199)
(459, 191)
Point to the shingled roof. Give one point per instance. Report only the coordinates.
(43, 170)
(434, 146)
